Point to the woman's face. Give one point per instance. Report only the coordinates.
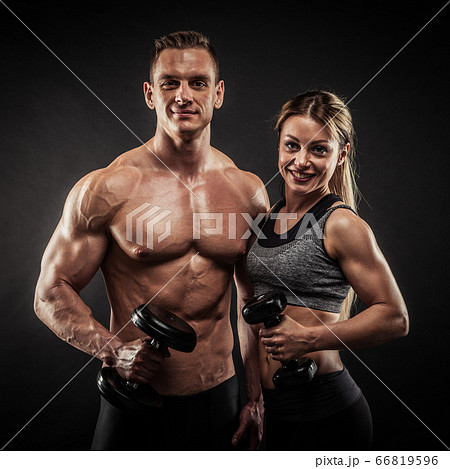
(308, 155)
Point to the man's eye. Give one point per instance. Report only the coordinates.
(199, 84)
(169, 84)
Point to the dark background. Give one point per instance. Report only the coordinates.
(53, 131)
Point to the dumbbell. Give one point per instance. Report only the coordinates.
(268, 309)
(165, 328)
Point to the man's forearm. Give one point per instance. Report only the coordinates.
(249, 350)
(248, 335)
(64, 312)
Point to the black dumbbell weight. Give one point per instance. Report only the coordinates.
(268, 309)
(165, 328)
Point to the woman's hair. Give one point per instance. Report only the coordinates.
(329, 110)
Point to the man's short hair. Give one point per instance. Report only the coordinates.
(183, 40)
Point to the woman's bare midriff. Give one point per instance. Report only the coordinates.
(327, 360)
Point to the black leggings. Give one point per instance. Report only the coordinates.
(348, 429)
(204, 421)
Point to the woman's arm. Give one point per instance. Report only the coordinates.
(350, 241)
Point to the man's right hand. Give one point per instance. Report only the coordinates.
(138, 361)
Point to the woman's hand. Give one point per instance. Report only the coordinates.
(286, 341)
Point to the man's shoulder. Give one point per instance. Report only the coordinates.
(230, 167)
(122, 171)
(102, 191)
(89, 202)
(247, 181)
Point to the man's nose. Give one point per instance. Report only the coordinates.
(184, 94)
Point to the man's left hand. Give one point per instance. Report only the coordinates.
(250, 427)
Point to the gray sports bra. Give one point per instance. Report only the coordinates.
(299, 267)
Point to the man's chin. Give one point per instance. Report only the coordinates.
(187, 128)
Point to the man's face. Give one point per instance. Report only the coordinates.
(184, 91)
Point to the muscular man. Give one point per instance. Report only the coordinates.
(184, 265)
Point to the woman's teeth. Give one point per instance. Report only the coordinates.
(301, 175)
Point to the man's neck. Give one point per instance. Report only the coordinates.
(186, 153)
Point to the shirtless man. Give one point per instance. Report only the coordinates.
(178, 171)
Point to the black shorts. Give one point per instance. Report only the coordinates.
(330, 413)
(204, 421)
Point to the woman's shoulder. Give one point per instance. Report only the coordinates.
(346, 229)
(342, 217)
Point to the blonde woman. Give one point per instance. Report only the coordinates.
(318, 252)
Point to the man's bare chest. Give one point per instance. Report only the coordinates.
(214, 220)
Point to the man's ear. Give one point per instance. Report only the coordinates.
(148, 95)
(220, 91)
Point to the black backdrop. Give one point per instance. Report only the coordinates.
(53, 131)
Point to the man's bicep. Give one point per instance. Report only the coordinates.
(73, 256)
(78, 245)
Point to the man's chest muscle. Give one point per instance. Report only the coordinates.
(214, 223)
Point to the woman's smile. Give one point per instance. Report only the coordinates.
(300, 176)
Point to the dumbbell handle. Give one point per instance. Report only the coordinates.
(272, 322)
(291, 364)
(131, 384)
(153, 344)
